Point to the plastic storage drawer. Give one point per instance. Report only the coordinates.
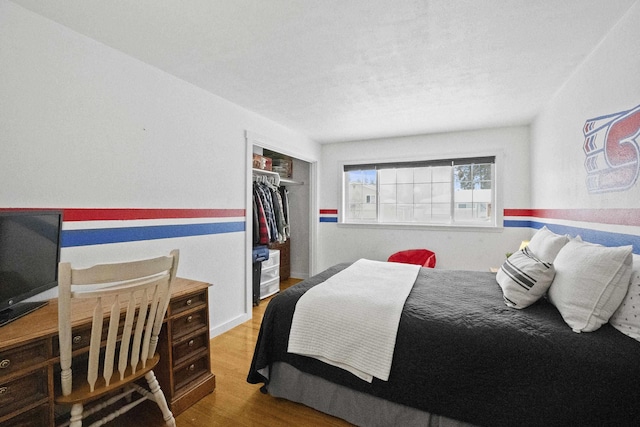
(269, 273)
(274, 259)
(270, 287)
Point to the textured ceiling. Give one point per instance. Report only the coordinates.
(339, 70)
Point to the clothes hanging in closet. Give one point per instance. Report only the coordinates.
(271, 213)
(284, 193)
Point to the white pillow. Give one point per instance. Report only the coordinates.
(591, 282)
(626, 318)
(546, 244)
(524, 279)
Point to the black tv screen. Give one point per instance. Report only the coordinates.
(29, 254)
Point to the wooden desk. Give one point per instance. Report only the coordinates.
(29, 356)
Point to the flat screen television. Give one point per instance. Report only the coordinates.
(29, 257)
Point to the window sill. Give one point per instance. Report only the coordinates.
(431, 227)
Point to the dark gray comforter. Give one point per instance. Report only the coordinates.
(460, 352)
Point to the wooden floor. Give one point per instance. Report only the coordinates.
(234, 401)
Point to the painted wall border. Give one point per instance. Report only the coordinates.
(98, 226)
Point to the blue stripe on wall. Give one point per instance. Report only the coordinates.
(328, 219)
(604, 238)
(99, 236)
(523, 223)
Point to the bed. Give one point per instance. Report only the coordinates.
(463, 357)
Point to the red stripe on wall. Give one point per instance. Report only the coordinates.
(329, 211)
(601, 216)
(130, 214)
(110, 214)
(518, 212)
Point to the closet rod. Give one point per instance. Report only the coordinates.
(276, 179)
(272, 177)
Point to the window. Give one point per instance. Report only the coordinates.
(446, 192)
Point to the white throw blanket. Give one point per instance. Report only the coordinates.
(351, 319)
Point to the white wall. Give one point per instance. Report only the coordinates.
(608, 82)
(455, 248)
(83, 125)
(299, 206)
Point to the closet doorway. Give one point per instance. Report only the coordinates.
(296, 176)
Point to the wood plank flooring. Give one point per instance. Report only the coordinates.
(234, 401)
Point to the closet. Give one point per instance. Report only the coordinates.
(290, 176)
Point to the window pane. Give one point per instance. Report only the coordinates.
(441, 174)
(463, 196)
(422, 175)
(441, 212)
(463, 211)
(368, 211)
(482, 172)
(388, 193)
(404, 175)
(435, 191)
(361, 195)
(441, 193)
(404, 213)
(388, 212)
(422, 213)
(387, 176)
(473, 193)
(405, 193)
(422, 193)
(482, 196)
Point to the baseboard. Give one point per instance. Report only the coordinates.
(221, 329)
(298, 275)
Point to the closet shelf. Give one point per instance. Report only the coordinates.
(288, 181)
(276, 177)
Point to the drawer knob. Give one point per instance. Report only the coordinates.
(189, 301)
(191, 343)
(189, 319)
(77, 339)
(192, 367)
(4, 390)
(4, 364)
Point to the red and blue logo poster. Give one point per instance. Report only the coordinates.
(612, 149)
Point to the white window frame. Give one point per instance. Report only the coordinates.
(496, 197)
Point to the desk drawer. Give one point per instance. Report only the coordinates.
(187, 348)
(81, 337)
(189, 323)
(188, 302)
(191, 371)
(18, 358)
(37, 417)
(23, 391)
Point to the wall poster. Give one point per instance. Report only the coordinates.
(612, 150)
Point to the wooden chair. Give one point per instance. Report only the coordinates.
(134, 296)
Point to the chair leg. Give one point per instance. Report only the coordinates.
(160, 399)
(76, 415)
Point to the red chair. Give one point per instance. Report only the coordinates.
(423, 257)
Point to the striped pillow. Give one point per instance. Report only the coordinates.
(524, 279)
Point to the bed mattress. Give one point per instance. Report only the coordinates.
(461, 353)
